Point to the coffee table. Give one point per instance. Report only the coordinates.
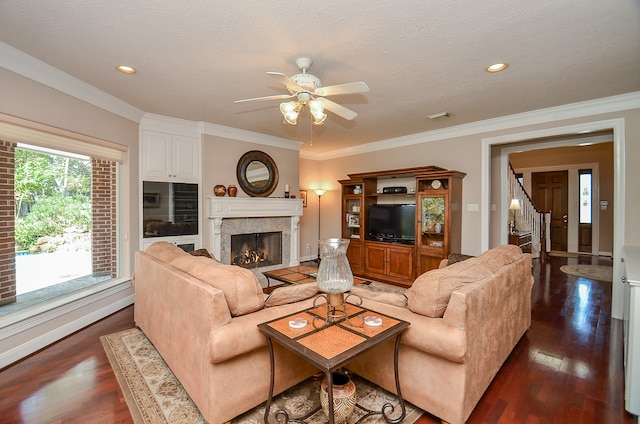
(298, 275)
(331, 345)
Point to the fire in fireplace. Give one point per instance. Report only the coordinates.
(256, 250)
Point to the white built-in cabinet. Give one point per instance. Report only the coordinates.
(170, 151)
(170, 157)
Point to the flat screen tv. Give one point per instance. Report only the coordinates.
(169, 209)
(392, 223)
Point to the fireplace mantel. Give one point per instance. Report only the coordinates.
(219, 208)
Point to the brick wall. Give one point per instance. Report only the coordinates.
(103, 205)
(7, 221)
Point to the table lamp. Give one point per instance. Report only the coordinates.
(514, 206)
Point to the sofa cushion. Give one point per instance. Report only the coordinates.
(390, 297)
(457, 257)
(241, 287)
(202, 252)
(430, 293)
(165, 251)
(290, 294)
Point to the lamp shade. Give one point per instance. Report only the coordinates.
(290, 111)
(515, 205)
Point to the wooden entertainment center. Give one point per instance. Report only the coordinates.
(400, 256)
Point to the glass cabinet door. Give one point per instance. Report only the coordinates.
(352, 218)
(433, 219)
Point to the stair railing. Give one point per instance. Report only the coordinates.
(529, 218)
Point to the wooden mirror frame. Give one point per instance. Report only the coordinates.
(241, 172)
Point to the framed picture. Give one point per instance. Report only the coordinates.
(303, 196)
(151, 200)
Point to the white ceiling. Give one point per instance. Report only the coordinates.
(419, 57)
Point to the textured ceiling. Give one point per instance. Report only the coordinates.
(418, 57)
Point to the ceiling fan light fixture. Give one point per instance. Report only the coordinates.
(318, 118)
(290, 111)
(316, 107)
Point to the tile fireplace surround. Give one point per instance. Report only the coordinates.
(240, 215)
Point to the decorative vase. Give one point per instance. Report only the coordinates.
(344, 396)
(438, 228)
(334, 273)
(232, 190)
(219, 190)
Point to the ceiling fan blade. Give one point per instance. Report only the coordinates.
(288, 82)
(348, 88)
(339, 110)
(276, 97)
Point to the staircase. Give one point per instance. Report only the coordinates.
(529, 218)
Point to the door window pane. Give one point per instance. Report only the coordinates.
(585, 197)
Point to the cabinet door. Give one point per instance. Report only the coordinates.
(400, 261)
(185, 158)
(352, 217)
(375, 259)
(434, 223)
(355, 257)
(427, 262)
(156, 156)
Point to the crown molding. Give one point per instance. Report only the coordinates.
(21, 63)
(248, 136)
(168, 124)
(557, 113)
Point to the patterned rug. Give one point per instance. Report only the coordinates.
(155, 396)
(561, 254)
(593, 272)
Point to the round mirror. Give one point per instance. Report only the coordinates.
(257, 173)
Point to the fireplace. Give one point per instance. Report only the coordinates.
(256, 250)
(228, 216)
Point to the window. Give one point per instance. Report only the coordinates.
(94, 166)
(586, 196)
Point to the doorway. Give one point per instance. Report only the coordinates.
(493, 229)
(550, 194)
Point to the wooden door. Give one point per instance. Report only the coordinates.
(550, 194)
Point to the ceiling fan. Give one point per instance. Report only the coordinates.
(307, 91)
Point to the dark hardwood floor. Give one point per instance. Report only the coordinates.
(568, 368)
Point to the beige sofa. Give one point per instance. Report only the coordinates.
(202, 317)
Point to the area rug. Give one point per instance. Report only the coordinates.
(561, 254)
(593, 272)
(155, 396)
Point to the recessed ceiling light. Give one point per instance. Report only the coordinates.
(126, 69)
(497, 67)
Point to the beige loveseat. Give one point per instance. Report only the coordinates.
(202, 317)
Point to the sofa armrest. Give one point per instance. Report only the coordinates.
(494, 312)
(177, 311)
(168, 299)
(242, 335)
